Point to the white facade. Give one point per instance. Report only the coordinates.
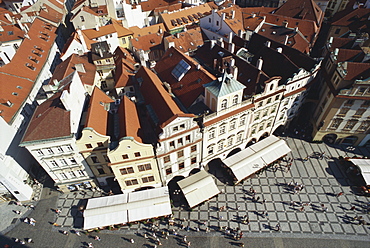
(9, 49)
(130, 15)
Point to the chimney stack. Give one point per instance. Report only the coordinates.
(259, 64)
(232, 14)
(231, 47)
(286, 39)
(268, 43)
(230, 37)
(279, 50)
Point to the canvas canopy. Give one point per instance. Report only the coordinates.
(123, 208)
(198, 188)
(364, 166)
(256, 156)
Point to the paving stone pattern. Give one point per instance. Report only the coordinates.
(322, 179)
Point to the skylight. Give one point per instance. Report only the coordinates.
(180, 70)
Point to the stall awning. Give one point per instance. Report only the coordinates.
(256, 156)
(123, 208)
(198, 188)
(364, 166)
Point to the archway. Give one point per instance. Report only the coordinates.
(176, 195)
(350, 140)
(194, 171)
(329, 138)
(236, 150)
(251, 142)
(220, 171)
(265, 135)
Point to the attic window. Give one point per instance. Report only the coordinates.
(30, 66)
(38, 48)
(34, 59)
(101, 103)
(44, 38)
(15, 94)
(19, 87)
(180, 47)
(36, 53)
(180, 70)
(10, 33)
(191, 43)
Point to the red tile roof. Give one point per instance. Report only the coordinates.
(155, 95)
(11, 33)
(350, 55)
(301, 9)
(341, 43)
(187, 41)
(129, 120)
(148, 42)
(75, 36)
(21, 73)
(97, 115)
(115, 27)
(67, 66)
(190, 86)
(356, 19)
(138, 32)
(152, 4)
(357, 70)
(50, 120)
(125, 67)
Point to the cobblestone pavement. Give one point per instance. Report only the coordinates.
(322, 179)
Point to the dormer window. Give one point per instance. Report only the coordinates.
(224, 104)
(235, 99)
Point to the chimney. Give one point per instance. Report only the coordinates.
(230, 37)
(97, 27)
(223, 16)
(336, 51)
(100, 51)
(80, 68)
(171, 44)
(232, 62)
(296, 29)
(259, 64)
(221, 41)
(235, 72)
(232, 14)
(231, 47)
(160, 30)
(198, 67)
(253, 15)
(1, 29)
(268, 43)
(285, 24)
(26, 27)
(7, 16)
(240, 33)
(213, 43)
(20, 25)
(279, 50)
(80, 36)
(168, 87)
(286, 39)
(178, 35)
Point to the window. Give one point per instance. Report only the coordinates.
(39, 152)
(181, 165)
(277, 97)
(230, 141)
(180, 70)
(224, 104)
(172, 144)
(268, 124)
(268, 100)
(350, 124)
(260, 128)
(147, 179)
(50, 151)
(72, 160)
(60, 149)
(349, 103)
(364, 126)
(209, 20)
(63, 176)
(168, 171)
(217, 23)
(273, 109)
(88, 145)
(210, 149)
(232, 124)
(180, 154)
(54, 163)
(187, 138)
(69, 147)
(335, 123)
(95, 159)
(366, 103)
(144, 167)
(235, 99)
(81, 173)
(131, 182)
(72, 174)
(239, 137)
(15, 45)
(222, 129)
(125, 156)
(127, 170)
(100, 73)
(343, 111)
(257, 116)
(265, 113)
(137, 154)
(100, 144)
(179, 141)
(106, 158)
(100, 171)
(242, 120)
(82, 18)
(167, 159)
(360, 112)
(193, 148)
(260, 104)
(337, 31)
(193, 160)
(63, 161)
(211, 134)
(175, 129)
(220, 145)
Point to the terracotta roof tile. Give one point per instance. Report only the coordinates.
(357, 70)
(152, 4)
(187, 41)
(115, 27)
(356, 18)
(350, 55)
(190, 86)
(23, 70)
(180, 18)
(148, 42)
(11, 33)
(138, 32)
(341, 43)
(50, 120)
(125, 67)
(129, 120)
(157, 97)
(97, 115)
(68, 66)
(172, 7)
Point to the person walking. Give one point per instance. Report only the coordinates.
(132, 241)
(340, 193)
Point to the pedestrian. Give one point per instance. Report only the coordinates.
(184, 238)
(97, 238)
(16, 240)
(90, 245)
(258, 198)
(264, 201)
(207, 230)
(197, 229)
(145, 235)
(301, 209)
(65, 233)
(221, 217)
(277, 227)
(132, 241)
(77, 233)
(340, 193)
(29, 240)
(241, 244)
(353, 207)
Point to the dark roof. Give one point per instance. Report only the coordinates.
(100, 50)
(358, 19)
(357, 70)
